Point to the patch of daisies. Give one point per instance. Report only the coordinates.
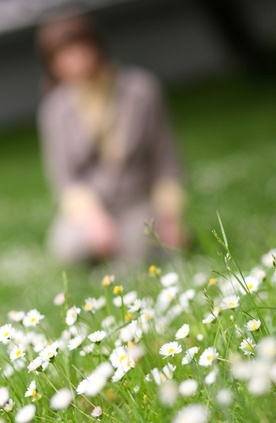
(183, 349)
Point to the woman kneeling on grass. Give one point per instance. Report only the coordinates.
(107, 147)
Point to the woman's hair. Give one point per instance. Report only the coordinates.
(63, 31)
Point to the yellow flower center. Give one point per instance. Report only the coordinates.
(33, 320)
(250, 286)
(231, 304)
(33, 393)
(171, 350)
(18, 353)
(6, 334)
(122, 357)
(209, 357)
(212, 281)
(254, 326)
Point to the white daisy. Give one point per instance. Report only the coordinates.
(169, 279)
(72, 315)
(8, 407)
(93, 304)
(170, 349)
(32, 318)
(188, 387)
(75, 342)
(49, 352)
(17, 352)
(35, 365)
(4, 396)
(247, 346)
(25, 414)
(253, 325)
(211, 317)
(230, 302)
(208, 356)
(61, 400)
(97, 411)
(189, 355)
(16, 316)
(251, 283)
(193, 413)
(6, 333)
(97, 336)
(183, 332)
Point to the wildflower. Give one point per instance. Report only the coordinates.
(128, 299)
(75, 342)
(4, 396)
(121, 358)
(108, 280)
(49, 352)
(252, 284)
(154, 271)
(200, 337)
(97, 336)
(170, 349)
(32, 318)
(267, 348)
(211, 317)
(36, 364)
(61, 400)
(224, 397)
(193, 413)
(87, 349)
(259, 385)
(72, 315)
(183, 332)
(17, 352)
(118, 289)
(108, 322)
(208, 356)
(268, 259)
(59, 299)
(32, 392)
(25, 414)
(94, 383)
(190, 353)
(16, 316)
(169, 279)
(136, 306)
(8, 407)
(253, 325)
(131, 332)
(6, 333)
(93, 304)
(230, 302)
(168, 393)
(212, 282)
(247, 346)
(211, 377)
(166, 296)
(188, 387)
(97, 412)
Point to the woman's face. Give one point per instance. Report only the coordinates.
(77, 62)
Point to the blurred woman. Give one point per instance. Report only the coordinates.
(107, 147)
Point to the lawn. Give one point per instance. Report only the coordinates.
(226, 134)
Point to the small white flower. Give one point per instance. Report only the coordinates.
(97, 336)
(4, 396)
(8, 407)
(49, 352)
(259, 385)
(253, 325)
(168, 393)
(36, 364)
(93, 304)
(17, 352)
(188, 387)
(97, 412)
(267, 348)
(75, 342)
(168, 370)
(208, 356)
(211, 317)
(252, 285)
(224, 397)
(31, 391)
(72, 315)
(267, 259)
(59, 299)
(32, 318)
(61, 400)
(169, 279)
(183, 332)
(189, 355)
(193, 413)
(121, 358)
(131, 332)
(247, 346)
(230, 302)
(211, 377)
(170, 349)
(16, 316)
(25, 414)
(6, 333)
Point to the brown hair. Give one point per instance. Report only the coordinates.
(60, 32)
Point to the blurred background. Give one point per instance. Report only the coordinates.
(217, 60)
